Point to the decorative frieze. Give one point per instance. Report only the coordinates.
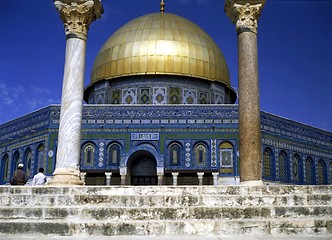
(295, 148)
(144, 136)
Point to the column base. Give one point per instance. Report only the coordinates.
(252, 183)
(66, 176)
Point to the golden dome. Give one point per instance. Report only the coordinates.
(160, 43)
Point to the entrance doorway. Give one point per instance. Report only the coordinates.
(142, 169)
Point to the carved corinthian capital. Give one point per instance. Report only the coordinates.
(77, 15)
(248, 15)
(244, 14)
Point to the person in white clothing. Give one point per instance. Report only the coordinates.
(39, 178)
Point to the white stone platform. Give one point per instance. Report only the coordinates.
(166, 212)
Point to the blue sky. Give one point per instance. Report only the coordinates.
(294, 52)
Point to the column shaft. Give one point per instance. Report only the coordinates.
(249, 109)
(245, 14)
(69, 147)
(77, 15)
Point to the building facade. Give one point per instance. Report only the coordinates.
(142, 142)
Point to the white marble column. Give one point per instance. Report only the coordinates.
(123, 174)
(77, 15)
(245, 15)
(160, 175)
(83, 174)
(123, 179)
(200, 178)
(215, 178)
(108, 178)
(175, 178)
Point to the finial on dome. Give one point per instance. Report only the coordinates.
(162, 6)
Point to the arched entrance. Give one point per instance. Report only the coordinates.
(142, 168)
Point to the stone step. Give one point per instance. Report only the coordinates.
(276, 227)
(165, 200)
(105, 213)
(166, 210)
(170, 190)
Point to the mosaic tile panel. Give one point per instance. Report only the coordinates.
(189, 96)
(159, 95)
(187, 158)
(129, 96)
(145, 96)
(213, 152)
(116, 99)
(174, 95)
(203, 98)
(101, 154)
(219, 98)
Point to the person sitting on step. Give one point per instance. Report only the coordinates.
(39, 178)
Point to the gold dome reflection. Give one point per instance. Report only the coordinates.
(165, 48)
(160, 43)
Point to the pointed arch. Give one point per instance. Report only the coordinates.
(88, 155)
(175, 151)
(308, 171)
(330, 171)
(200, 154)
(28, 158)
(5, 167)
(282, 163)
(267, 162)
(321, 172)
(114, 154)
(16, 159)
(41, 157)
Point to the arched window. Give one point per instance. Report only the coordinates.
(331, 172)
(200, 155)
(16, 158)
(114, 154)
(308, 176)
(295, 168)
(41, 158)
(267, 163)
(282, 166)
(88, 155)
(175, 153)
(320, 173)
(6, 169)
(226, 154)
(28, 161)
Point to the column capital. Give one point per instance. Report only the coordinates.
(160, 171)
(244, 13)
(77, 15)
(200, 174)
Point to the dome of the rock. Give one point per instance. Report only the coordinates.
(166, 48)
(160, 43)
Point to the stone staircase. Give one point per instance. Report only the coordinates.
(166, 211)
